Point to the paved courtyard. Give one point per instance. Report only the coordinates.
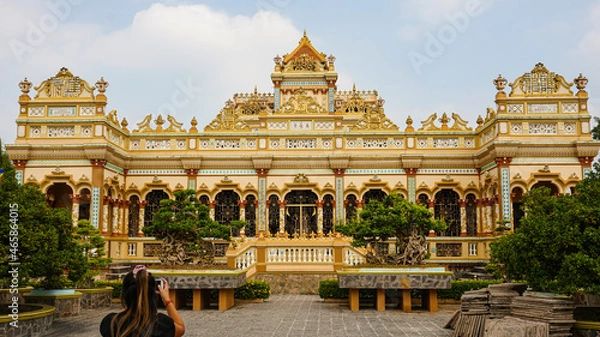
(285, 315)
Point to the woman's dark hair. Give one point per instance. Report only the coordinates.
(139, 300)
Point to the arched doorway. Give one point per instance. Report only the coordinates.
(301, 212)
(84, 204)
(273, 205)
(553, 188)
(447, 208)
(374, 194)
(59, 196)
(517, 204)
(251, 215)
(350, 204)
(471, 213)
(227, 208)
(134, 215)
(153, 198)
(328, 211)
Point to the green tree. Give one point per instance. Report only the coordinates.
(557, 246)
(393, 217)
(92, 244)
(186, 230)
(596, 129)
(36, 236)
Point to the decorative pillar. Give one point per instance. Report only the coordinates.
(125, 217)
(496, 212)
(339, 195)
(488, 215)
(142, 204)
(262, 200)
(463, 216)
(320, 217)
(115, 217)
(212, 205)
(480, 220)
(104, 226)
(19, 170)
(586, 165)
(192, 174)
(75, 208)
(282, 215)
(411, 174)
(503, 164)
(431, 207)
(98, 213)
(242, 204)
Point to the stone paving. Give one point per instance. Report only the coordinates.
(285, 315)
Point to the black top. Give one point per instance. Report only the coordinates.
(164, 327)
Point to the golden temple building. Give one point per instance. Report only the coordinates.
(296, 161)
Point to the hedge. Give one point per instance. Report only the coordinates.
(252, 290)
(116, 284)
(330, 288)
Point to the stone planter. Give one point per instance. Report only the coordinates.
(95, 298)
(35, 320)
(66, 304)
(6, 295)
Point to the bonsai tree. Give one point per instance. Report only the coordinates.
(92, 244)
(556, 247)
(186, 229)
(36, 236)
(393, 217)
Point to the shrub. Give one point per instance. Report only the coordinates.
(459, 287)
(116, 284)
(252, 290)
(331, 289)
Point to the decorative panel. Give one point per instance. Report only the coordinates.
(470, 142)
(158, 144)
(61, 131)
(87, 111)
(324, 125)
(398, 142)
(327, 143)
(301, 125)
(351, 142)
(516, 128)
(86, 131)
(274, 144)
(36, 112)
(227, 144)
(445, 143)
(542, 108)
(134, 144)
(378, 143)
(542, 128)
(180, 144)
(35, 131)
(570, 108)
(277, 126)
(448, 249)
(570, 128)
(62, 112)
(422, 143)
(515, 108)
(251, 144)
(300, 143)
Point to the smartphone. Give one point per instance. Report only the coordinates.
(159, 282)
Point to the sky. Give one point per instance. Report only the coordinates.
(186, 58)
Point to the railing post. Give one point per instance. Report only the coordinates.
(261, 255)
(338, 248)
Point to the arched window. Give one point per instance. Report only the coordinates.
(84, 204)
(553, 188)
(273, 214)
(350, 207)
(471, 209)
(204, 199)
(517, 204)
(227, 208)
(251, 215)
(134, 215)
(327, 214)
(374, 194)
(301, 212)
(153, 202)
(422, 200)
(447, 208)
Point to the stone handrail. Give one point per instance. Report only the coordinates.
(300, 255)
(353, 257)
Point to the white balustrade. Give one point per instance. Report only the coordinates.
(246, 260)
(300, 255)
(352, 258)
(132, 249)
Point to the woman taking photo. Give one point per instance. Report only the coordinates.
(139, 317)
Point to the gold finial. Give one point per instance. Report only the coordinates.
(354, 87)
(255, 89)
(500, 82)
(124, 124)
(304, 33)
(581, 82)
(25, 86)
(194, 122)
(101, 85)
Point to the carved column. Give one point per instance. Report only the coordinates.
(463, 216)
(503, 164)
(242, 204)
(431, 206)
(496, 212)
(192, 175)
(142, 213)
(262, 200)
(411, 174)
(19, 170)
(487, 215)
(75, 208)
(480, 220)
(105, 204)
(212, 205)
(282, 215)
(339, 195)
(319, 217)
(96, 211)
(125, 217)
(115, 217)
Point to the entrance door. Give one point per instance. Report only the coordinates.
(301, 212)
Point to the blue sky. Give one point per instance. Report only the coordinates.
(423, 56)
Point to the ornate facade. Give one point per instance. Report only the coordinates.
(298, 160)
